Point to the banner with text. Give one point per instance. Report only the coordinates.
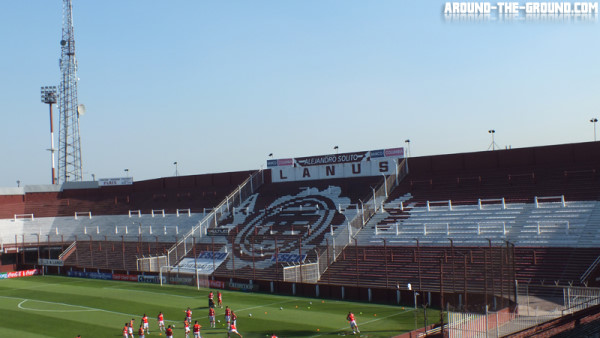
(51, 262)
(206, 263)
(18, 274)
(357, 164)
(107, 182)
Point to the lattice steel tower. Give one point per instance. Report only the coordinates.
(69, 145)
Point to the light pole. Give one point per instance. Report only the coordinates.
(493, 145)
(49, 98)
(126, 172)
(336, 148)
(594, 120)
(407, 141)
(176, 172)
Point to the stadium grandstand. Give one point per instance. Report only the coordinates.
(504, 241)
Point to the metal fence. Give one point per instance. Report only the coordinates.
(537, 304)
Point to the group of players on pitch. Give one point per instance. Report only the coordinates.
(230, 319)
(144, 328)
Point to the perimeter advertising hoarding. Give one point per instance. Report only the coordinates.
(151, 279)
(208, 283)
(91, 275)
(18, 274)
(125, 277)
(357, 164)
(242, 286)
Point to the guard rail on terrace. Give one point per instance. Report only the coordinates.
(589, 271)
(186, 243)
(344, 235)
(503, 323)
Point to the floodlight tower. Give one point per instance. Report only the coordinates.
(49, 98)
(69, 145)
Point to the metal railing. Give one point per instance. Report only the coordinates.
(67, 251)
(187, 241)
(502, 323)
(589, 270)
(344, 234)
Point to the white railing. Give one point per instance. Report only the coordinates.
(589, 270)
(24, 216)
(187, 211)
(503, 323)
(243, 191)
(159, 211)
(88, 213)
(549, 199)
(138, 212)
(365, 210)
(67, 250)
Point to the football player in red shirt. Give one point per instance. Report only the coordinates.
(233, 317)
(211, 317)
(197, 330)
(126, 330)
(186, 326)
(233, 329)
(352, 320)
(130, 328)
(169, 332)
(141, 331)
(211, 300)
(188, 314)
(220, 299)
(161, 322)
(145, 322)
(227, 315)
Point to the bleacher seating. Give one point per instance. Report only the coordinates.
(298, 215)
(542, 200)
(113, 255)
(550, 209)
(184, 192)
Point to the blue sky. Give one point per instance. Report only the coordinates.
(218, 85)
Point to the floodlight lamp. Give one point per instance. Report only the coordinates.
(48, 94)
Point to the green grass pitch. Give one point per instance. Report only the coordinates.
(52, 306)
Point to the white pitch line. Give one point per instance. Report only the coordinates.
(152, 292)
(41, 286)
(364, 323)
(20, 306)
(81, 306)
(265, 305)
(169, 295)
